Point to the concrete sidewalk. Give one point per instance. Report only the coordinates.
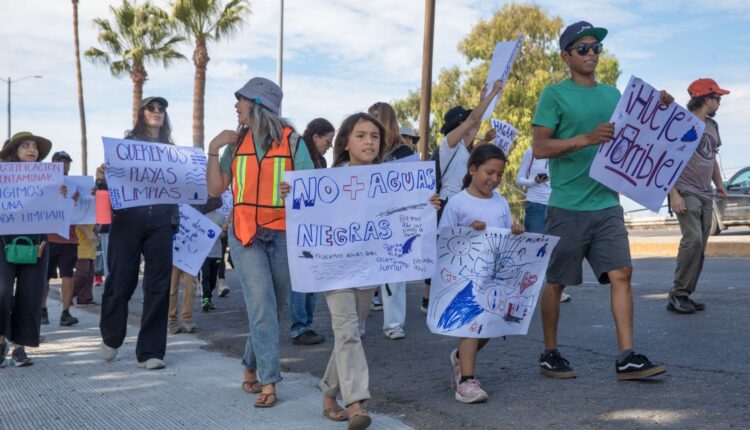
(664, 243)
(70, 387)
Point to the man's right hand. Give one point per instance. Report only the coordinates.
(603, 133)
(677, 203)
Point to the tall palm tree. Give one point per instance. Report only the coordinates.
(204, 21)
(141, 34)
(79, 79)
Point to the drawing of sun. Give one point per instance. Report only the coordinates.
(461, 246)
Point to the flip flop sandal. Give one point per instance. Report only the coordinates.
(251, 387)
(262, 400)
(359, 421)
(336, 414)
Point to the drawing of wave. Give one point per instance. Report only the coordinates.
(116, 172)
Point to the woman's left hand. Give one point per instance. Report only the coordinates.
(284, 189)
(435, 201)
(517, 229)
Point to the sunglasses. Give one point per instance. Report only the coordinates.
(156, 108)
(583, 48)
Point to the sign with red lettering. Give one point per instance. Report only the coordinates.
(652, 145)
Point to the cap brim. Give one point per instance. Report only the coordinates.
(721, 92)
(598, 32)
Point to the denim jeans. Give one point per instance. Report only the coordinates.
(394, 306)
(302, 308)
(264, 273)
(533, 221)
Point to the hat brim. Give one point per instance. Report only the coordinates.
(721, 91)
(599, 34)
(148, 100)
(44, 146)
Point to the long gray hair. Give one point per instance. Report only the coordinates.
(267, 125)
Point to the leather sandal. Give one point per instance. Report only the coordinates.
(359, 420)
(262, 401)
(336, 413)
(251, 387)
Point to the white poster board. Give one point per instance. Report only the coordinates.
(360, 226)
(502, 61)
(505, 135)
(194, 240)
(143, 173)
(84, 207)
(30, 199)
(652, 145)
(487, 283)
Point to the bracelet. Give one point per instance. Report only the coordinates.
(213, 155)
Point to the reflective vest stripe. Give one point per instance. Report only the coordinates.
(241, 178)
(278, 173)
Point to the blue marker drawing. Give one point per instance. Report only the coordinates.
(690, 136)
(211, 234)
(461, 311)
(407, 245)
(542, 251)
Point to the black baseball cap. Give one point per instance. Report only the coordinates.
(576, 31)
(61, 155)
(453, 118)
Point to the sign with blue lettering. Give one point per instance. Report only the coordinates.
(653, 143)
(502, 61)
(84, 206)
(487, 282)
(359, 226)
(30, 199)
(505, 135)
(192, 243)
(144, 173)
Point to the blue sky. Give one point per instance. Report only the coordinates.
(342, 56)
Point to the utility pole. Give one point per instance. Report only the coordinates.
(10, 81)
(280, 47)
(426, 93)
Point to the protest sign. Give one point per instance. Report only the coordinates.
(502, 61)
(143, 173)
(227, 203)
(359, 226)
(652, 145)
(193, 241)
(84, 207)
(487, 282)
(30, 199)
(505, 135)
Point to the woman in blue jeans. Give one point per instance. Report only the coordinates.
(264, 146)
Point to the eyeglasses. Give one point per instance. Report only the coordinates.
(583, 48)
(155, 108)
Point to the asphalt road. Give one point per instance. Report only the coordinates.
(707, 384)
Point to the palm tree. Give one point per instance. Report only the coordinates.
(141, 34)
(79, 79)
(204, 21)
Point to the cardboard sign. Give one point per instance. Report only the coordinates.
(194, 240)
(144, 173)
(653, 143)
(502, 61)
(360, 226)
(84, 208)
(505, 135)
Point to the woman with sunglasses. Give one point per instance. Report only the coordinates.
(134, 231)
(258, 154)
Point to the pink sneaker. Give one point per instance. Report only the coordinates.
(470, 392)
(456, 369)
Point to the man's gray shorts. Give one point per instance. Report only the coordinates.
(599, 236)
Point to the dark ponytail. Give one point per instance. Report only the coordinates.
(480, 155)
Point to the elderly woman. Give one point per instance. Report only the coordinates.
(21, 311)
(254, 162)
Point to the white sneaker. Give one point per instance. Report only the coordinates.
(396, 333)
(152, 364)
(470, 392)
(108, 354)
(565, 297)
(223, 291)
(456, 370)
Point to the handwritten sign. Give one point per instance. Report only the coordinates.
(30, 199)
(505, 135)
(502, 61)
(653, 143)
(227, 203)
(84, 208)
(194, 240)
(143, 173)
(358, 226)
(487, 283)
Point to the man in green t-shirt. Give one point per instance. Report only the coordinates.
(571, 121)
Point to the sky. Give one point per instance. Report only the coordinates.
(341, 56)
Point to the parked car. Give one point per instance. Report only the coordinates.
(735, 209)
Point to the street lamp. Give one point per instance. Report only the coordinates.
(10, 81)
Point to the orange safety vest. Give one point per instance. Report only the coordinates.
(255, 187)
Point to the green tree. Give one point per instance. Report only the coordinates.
(537, 65)
(203, 21)
(141, 34)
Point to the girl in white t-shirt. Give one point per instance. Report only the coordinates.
(477, 206)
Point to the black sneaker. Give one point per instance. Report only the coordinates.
(680, 305)
(552, 364)
(425, 304)
(66, 319)
(697, 305)
(637, 366)
(45, 316)
(3, 352)
(308, 338)
(19, 357)
(206, 304)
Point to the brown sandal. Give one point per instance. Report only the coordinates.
(262, 400)
(251, 387)
(336, 413)
(359, 420)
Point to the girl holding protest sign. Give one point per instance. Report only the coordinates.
(21, 309)
(258, 154)
(146, 230)
(478, 206)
